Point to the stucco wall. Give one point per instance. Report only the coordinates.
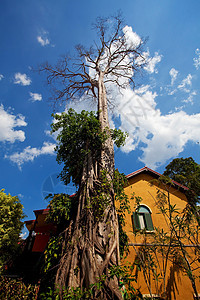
(178, 285)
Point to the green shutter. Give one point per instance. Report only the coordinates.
(136, 222)
(149, 223)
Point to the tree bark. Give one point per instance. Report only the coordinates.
(107, 153)
(92, 246)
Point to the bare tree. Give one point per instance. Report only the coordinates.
(113, 60)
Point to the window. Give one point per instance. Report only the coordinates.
(142, 218)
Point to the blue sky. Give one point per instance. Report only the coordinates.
(162, 115)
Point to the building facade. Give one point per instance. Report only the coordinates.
(162, 248)
(163, 245)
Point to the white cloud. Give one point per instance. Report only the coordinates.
(1, 77)
(171, 92)
(43, 41)
(43, 38)
(163, 136)
(53, 135)
(183, 86)
(8, 123)
(190, 98)
(23, 235)
(29, 154)
(132, 38)
(197, 59)
(35, 97)
(151, 62)
(186, 82)
(22, 79)
(173, 73)
(20, 196)
(171, 133)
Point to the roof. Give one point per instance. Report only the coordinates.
(154, 174)
(29, 222)
(41, 211)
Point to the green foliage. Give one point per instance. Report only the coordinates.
(78, 135)
(17, 290)
(69, 294)
(118, 136)
(187, 172)
(61, 209)
(126, 279)
(52, 253)
(11, 225)
(72, 293)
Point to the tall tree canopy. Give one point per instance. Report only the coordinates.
(187, 172)
(92, 238)
(11, 214)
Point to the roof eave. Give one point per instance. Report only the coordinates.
(146, 169)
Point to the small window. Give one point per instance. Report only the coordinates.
(142, 218)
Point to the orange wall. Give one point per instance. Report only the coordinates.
(140, 185)
(179, 287)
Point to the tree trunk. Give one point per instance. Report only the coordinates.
(92, 245)
(107, 153)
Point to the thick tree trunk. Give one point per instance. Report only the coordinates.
(92, 245)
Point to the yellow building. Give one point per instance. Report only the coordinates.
(147, 249)
(161, 253)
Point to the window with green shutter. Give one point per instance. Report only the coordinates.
(142, 218)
